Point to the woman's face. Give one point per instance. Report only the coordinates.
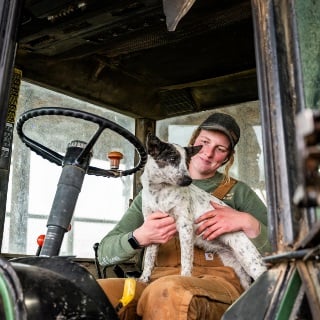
(215, 150)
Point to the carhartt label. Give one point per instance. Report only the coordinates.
(209, 256)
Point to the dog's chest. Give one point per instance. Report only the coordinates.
(166, 199)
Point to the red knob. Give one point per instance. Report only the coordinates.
(115, 157)
(40, 240)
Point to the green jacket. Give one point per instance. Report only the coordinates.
(114, 247)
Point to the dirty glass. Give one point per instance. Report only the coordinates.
(308, 25)
(102, 201)
(248, 165)
(33, 180)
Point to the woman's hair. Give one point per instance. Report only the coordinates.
(228, 163)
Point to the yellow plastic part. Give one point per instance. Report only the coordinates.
(128, 293)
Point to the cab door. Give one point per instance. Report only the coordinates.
(287, 37)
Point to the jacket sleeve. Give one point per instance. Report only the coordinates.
(261, 241)
(114, 247)
(246, 200)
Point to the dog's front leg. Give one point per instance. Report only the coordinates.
(186, 236)
(149, 261)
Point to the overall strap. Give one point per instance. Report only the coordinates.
(224, 188)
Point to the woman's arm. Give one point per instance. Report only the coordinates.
(114, 247)
(246, 212)
(159, 227)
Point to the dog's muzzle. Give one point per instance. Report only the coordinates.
(184, 181)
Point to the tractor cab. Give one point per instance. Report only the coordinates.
(81, 85)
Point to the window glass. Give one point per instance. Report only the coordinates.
(248, 166)
(33, 180)
(102, 201)
(308, 25)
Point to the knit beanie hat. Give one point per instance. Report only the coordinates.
(224, 123)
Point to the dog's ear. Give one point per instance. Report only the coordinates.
(154, 145)
(191, 151)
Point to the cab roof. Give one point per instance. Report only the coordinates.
(121, 55)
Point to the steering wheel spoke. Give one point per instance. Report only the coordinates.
(43, 151)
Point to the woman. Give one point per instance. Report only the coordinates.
(212, 287)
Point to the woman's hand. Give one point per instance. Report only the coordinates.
(223, 219)
(159, 227)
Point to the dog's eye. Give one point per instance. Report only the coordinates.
(172, 159)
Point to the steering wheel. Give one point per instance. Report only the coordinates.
(102, 123)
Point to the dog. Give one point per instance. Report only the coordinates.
(167, 186)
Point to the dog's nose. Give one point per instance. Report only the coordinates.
(185, 181)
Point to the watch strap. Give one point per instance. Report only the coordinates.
(133, 241)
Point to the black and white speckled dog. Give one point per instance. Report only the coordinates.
(167, 187)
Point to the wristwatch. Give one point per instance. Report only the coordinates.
(133, 241)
